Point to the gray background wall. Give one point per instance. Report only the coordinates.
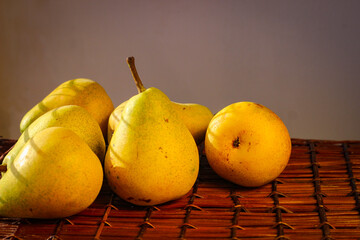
(299, 58)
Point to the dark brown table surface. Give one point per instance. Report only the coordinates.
(316, 197)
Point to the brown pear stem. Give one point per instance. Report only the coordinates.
(3, 168)
(139, 85)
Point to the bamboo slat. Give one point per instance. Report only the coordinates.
(316, 197)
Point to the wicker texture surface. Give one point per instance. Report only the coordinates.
(316, 197)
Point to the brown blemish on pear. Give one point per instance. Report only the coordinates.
(236, 142)
(249, 146)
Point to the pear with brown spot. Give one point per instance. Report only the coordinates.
(248, 144)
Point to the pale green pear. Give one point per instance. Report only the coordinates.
(196, 117)
(82, 92)
(152, 157)
(54, 175)
(70, 116)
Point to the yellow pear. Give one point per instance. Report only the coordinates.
(152, 157)
(82, 92)
(114, 120)
(73, 117)
(196, 117)
(247, 144)
(54, 175)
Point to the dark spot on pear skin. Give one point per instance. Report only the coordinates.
(259, 105)
(130, 198)
(30, 209)
(249, 147)
(236, 142)
(117, 177)
(144, 200)
(184, 108)
(166, 120)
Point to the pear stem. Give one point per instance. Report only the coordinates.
(139, 85)
(3, 168)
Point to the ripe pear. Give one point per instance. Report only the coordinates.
(54, 175)
(196, 117)
(247, 144)
(73, 117)
(114, 119)
(152, 157)
(82, 92)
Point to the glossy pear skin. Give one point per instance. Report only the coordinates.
(196, 118)
(114, 120)
(73, 117)
(55, 175)
(82, 92)
(152, 157)
(247, 144)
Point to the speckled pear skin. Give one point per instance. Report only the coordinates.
(196, 118)
(55, 175)
(152, 157)
(247, 144)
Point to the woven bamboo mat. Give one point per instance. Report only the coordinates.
(316, 197)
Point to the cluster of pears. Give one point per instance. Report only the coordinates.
(56, 167)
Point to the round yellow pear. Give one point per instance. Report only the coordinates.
(247, 144)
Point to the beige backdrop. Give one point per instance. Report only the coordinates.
(299, 58)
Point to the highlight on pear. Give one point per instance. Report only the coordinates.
(196, 117)
(152, 157)
(146, 148)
